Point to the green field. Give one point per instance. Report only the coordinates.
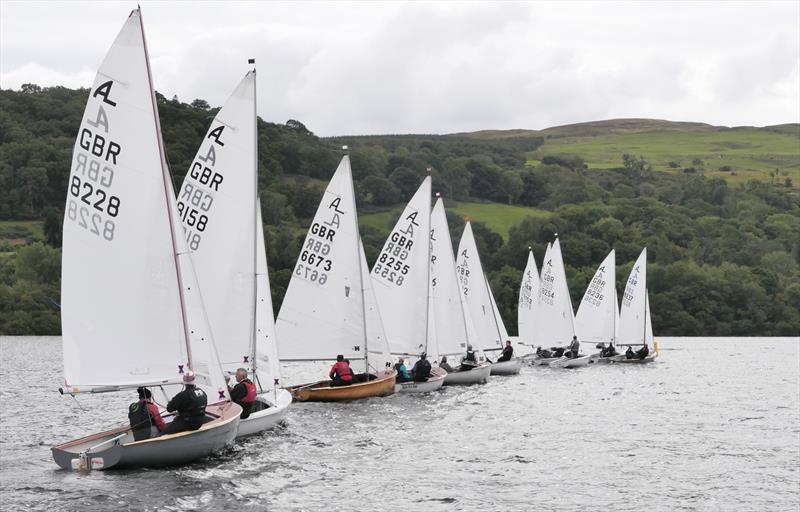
(751, 153)
(16, 231)
(497, 217)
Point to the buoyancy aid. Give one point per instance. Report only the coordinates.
(250, 397)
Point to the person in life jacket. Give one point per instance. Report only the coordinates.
(190, 405)
(341, 374)
(402, 371)
(508, 353)
(574, 347)
(629, 353)
(444, 365)
(422, 368)
(469, 361)
(146, 422)
(243, 393)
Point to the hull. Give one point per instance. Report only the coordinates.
(565, 362)
(606, 360)
(322, 391)
(268, 418)
(478, 375)
(436, 381)
(117, 449)
(649, 359)
(543, 361)
(511, 367)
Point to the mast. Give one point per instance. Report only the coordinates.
(360, 275)
(256, 226)
(644, 320)
(167, 192)
(428, 281)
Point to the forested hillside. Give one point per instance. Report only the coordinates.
(723, 244)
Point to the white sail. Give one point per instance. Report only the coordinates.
(400, 276)
(122, 307)
(322, 314)
(475, 291)
(596, 318)
(633, 310)
(217, 207)
(379, 353)
(449, 327)
(528, 298)
(268, 373)
(554, 318)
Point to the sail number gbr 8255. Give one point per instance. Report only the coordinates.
(90, 203)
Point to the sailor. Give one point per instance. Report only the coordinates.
(609, 351)
(556, 351)
(543, 353)
(341, 374)
(469, 362)
(190, 405)
(508, 352)
(402, 371)
(643, 352)
(574, 347)
(629, 353)
(146, 422)
(445, 366)
(243, 393)
(422, 368)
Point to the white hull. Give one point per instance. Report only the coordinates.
(436, 381)
(543, 361)
(606, 360)
(268, 418)
(649, 359)
(478, 375)
(566, 362)
(511, 367)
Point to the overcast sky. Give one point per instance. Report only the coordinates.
(361, 68)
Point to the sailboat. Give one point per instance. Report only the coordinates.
(597, 316)
(324, 311)
(514, 365)
(220, 191)
(635, 326)
(400, 280)
(554, 316)
(132, 314)
(528, 298)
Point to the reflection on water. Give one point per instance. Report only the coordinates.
(715, 425)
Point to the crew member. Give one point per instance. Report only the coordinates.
(629, 353)
(445, 366)
(190, 405)
(402, 371)
(422, 368)
(243, 393)
(508, 353)
(574, 347)
(469, 362)
(341, 374)
(146, 422)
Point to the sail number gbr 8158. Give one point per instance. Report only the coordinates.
(90, 203)
(199, 188)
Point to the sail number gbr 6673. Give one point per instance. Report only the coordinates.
(90, 203)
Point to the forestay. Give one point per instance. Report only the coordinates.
(632, 317)
(448, 322)
(121, 303)
(266, 348)
(400, 276)
(596, 320)
(322, 314)
(475, 291)
(528, 298)
(217, 207)
(554, 318)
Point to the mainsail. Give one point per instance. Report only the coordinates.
(449, 326)
(528, 298)
(596, 320)
(400, 276)
(554, 318)
(322, 314)
(122, 308)
(633, 312)
(217, 207)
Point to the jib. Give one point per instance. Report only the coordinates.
(205, 176)
(99, 146)
(323, 232)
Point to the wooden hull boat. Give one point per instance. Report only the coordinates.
(277, 405)
(323, 392)
(567, 362)
(649, 359)
(436, 381)
(478, 375)
(117, 449)
(511, 367)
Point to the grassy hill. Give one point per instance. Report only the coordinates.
(736, 154)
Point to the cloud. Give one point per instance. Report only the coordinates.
(357, 67)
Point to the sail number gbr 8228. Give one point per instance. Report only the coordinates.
(90, 203)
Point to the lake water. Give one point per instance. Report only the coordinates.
(714, 425)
